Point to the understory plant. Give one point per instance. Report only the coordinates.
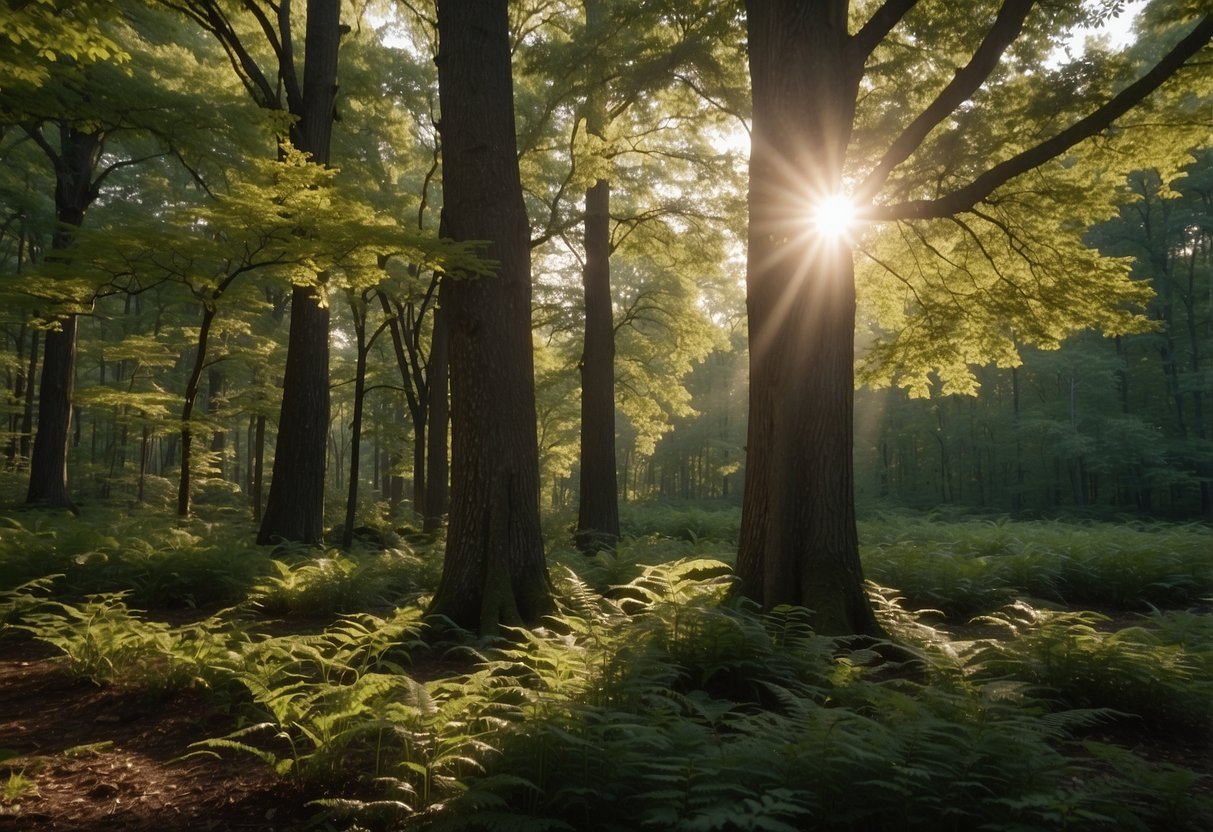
(655, 698)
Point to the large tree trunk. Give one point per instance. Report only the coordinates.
(437, 476)
(799, 543)
(598, 494)
(78, 155)
(295, 507)
(598, 500)
(494, 571)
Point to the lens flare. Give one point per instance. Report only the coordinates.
(834, 216)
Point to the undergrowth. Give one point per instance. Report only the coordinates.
(969, 567)
(657, 699)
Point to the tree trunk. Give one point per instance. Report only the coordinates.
(295, 507)
(598, 500)
(78, 155)
(437, 477)
(351, 501)
(598, 494)
(48, 463)
(494, 571)
(799, 543)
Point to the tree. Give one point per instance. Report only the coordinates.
(822, 110)
(493, 570)
(598, 495)
(294, 509)
(71, 104)
(295, 506)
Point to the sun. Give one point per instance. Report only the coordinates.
(833, 216)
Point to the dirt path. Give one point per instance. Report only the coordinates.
(109, 759)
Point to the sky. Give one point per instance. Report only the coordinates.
(1119, 30)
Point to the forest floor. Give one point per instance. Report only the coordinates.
(106, 758)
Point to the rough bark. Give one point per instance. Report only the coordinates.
(799, 543)
(437, 475)
(295, 507)
(494, 571)
(598, 500)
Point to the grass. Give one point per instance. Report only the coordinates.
(655, 699)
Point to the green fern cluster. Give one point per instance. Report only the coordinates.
(103, 640)
(616, 722)
(1135, 670)
(687, 522)
(334, 582)
(970, 567)
(655, 699)
(157, 563)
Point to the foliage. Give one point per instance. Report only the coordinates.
(103, 641)
(337, 582)
(1133, 670)
(158, 564)
(972, 566)
(653, 699)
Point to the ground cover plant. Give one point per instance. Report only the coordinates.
(654, 697)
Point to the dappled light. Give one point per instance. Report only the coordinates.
(594, 416)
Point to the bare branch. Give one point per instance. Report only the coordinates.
(208, 15)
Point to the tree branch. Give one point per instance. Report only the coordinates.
(124, 163)
(207, 14)
(34, 131)
(865, 41)
(966, 197)
(964, 83)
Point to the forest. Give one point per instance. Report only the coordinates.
(704, 415)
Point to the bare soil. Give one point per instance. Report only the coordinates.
(108, 758)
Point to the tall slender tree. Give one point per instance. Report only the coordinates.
(598, 496)
(294, 509)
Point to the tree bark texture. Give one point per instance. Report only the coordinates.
(494, 571)
(295, 506)
(48, 463)
(799, 543)
(437, 475)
